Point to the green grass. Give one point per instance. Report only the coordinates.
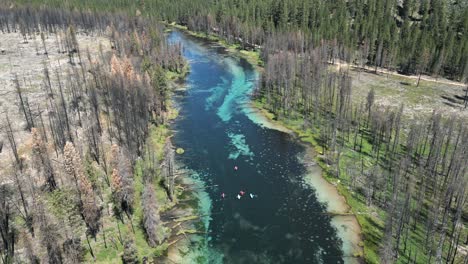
(109, 252)
(370, 218)
(252, 56)
(371, 226)
(107, 246)
(175, 76)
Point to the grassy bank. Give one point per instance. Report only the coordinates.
(352, 169)
(368, 217)
(109, 243)
(252, 56)
(371, 225)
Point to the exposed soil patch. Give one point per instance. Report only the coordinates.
(393, 89)
(25, 60)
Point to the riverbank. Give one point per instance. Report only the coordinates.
(174, 218)
(357, 174)
(188, 215)
(178, 214)
(391, 88)
(343, 216)
(252, 56)
(343, 219)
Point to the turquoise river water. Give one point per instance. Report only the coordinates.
(284, 222)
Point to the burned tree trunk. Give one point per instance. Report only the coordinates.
(12, 141)
(168, 168)
(24, 106)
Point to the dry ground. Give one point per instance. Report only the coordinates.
(393, 89)
(27, 60)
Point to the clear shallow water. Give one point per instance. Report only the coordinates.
(284, 223)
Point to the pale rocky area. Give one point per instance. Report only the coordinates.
(26, 59)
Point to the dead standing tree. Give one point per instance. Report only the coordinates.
(42, 161)
(151, 219)
(13, 145)
(90, 210)
(7, 231)
(168, 168)
(50, 235)
(24, 104)
(74, 106)
(122, 180)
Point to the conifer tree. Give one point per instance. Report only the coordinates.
(74, 167)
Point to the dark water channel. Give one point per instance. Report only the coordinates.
(282, 223)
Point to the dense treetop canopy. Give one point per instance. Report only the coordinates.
(411, 36)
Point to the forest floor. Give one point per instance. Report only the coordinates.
(26, 59)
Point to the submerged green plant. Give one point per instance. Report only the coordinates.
(180, 151)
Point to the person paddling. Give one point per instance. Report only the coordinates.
(242, 193)
(223, 195)
(236, 168)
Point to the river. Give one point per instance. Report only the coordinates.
(284, 222)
